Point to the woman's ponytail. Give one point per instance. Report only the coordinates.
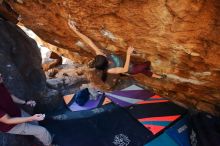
(101, 63)
(104, 75)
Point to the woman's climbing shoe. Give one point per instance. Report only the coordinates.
(159, 77)
(163, 76)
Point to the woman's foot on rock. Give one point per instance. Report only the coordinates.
(163, 76)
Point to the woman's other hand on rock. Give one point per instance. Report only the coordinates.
(72, 25)
(130, 50)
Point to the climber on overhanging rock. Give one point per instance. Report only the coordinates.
(112, 63)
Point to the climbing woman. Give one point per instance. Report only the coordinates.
(113, 64)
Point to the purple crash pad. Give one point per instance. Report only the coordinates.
(129, 96)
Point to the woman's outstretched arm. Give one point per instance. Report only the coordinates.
(85, 38)
(118, 70)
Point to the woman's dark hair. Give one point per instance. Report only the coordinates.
(101, 63)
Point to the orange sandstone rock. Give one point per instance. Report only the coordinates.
(180, 38)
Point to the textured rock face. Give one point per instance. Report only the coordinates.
(180, 38)
(20, 62)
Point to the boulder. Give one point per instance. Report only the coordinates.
(20, 62)
(180, 38)
(53, 60)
